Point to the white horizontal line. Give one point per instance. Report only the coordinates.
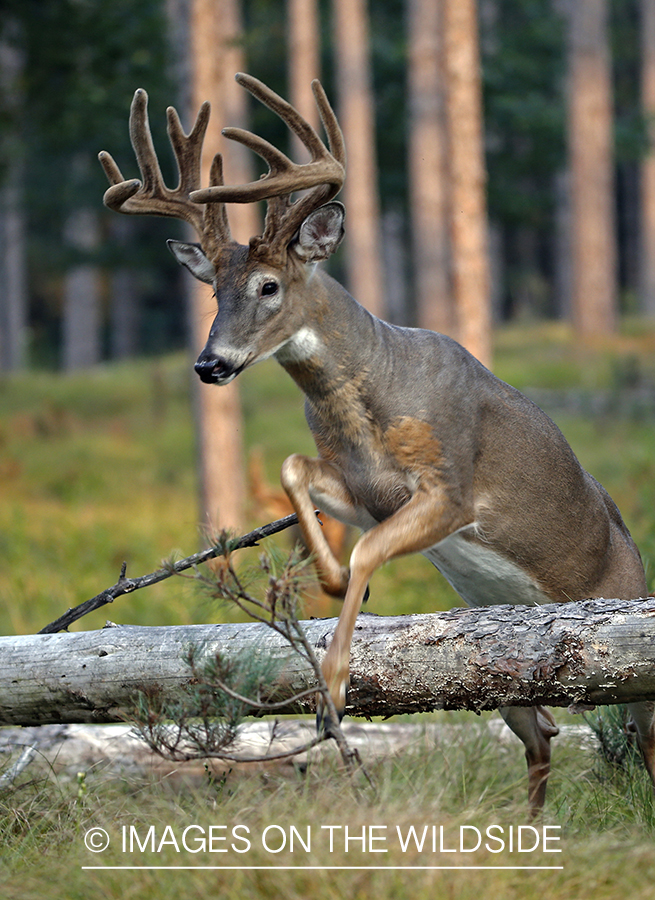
(327, 868)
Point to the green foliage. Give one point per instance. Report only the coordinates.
(83, 63)
(625, 22)
(523, 73)
(617, 746)
(204, 718)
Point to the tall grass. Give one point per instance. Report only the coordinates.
(469, 780)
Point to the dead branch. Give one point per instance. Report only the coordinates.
(129, 585)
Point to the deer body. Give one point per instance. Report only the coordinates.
(525, 523)
(419, 445)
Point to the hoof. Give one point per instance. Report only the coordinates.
(324, 721)
(324, 724)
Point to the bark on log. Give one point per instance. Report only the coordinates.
(591, 652)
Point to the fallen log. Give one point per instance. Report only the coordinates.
(586, 653)
(66, 750)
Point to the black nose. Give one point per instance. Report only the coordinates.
(212, 370)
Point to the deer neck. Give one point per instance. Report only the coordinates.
(336, 346)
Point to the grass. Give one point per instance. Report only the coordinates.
(94, 469)
(99, 467)
(604, 835)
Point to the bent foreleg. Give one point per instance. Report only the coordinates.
(301, 478)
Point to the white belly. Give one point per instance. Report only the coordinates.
(481, 576)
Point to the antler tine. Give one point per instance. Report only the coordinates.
(272, 184)
(324, 173)
(286, 112)
(217, 226)
(334, 133)
(187, 148)
(150, 196)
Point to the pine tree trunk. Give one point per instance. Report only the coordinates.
(468, 213)
(82, 295)
(647, 180)
(428, 169)
(357, 118)
(216, 57)
(123, 298)
(124, 314)
(593, 235)
(394, 261)
(563, 274)
(304, 66)
(13, 275)
(13, 267)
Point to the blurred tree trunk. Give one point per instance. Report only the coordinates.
(357, 119)
(123, 298)
(647, 185)
(563, 265)
(593, 231)
(13, 274)
(216, 55)
(304, 65)
(82, 312)
(428, 168)
(468, 212)
(395, 274)
(124, 314)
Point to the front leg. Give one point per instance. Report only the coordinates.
(423, 521)
(300, 476)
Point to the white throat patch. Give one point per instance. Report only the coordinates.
(304, 344)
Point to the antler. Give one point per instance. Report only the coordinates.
(205, 208)
(324, 174)
(150, 196)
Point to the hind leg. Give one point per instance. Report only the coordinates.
(628, 582)
(643, 724)
(535, 726)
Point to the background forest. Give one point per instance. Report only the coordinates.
(67, 74)
(498, 155)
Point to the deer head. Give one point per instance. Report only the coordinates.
(260, 289)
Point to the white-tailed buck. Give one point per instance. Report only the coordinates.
(419, 445)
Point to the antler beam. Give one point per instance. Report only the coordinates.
(204, 208)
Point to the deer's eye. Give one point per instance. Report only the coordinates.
(269, 288)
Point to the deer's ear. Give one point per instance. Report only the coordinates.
(192, 257)
(321, 232)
